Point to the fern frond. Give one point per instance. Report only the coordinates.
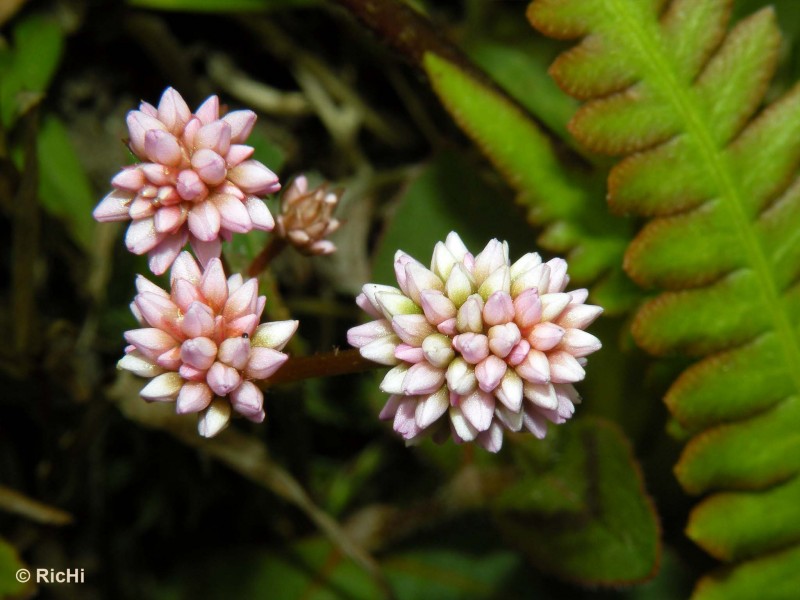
(553, 196)
(672, 91)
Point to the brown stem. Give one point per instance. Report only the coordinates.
(273, 248)
(338, 362)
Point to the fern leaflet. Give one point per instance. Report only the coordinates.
(667, 87)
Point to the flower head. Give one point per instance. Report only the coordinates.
(305, 219)
(196, 181)
(477, 342)
(202, 345)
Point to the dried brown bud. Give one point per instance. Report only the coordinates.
(305, 218)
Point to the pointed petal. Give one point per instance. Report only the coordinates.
(431, 407)
(254, 178)
(461, 377)
(423, 378)
(564, 368)
(510, 391)
(259, 214)
(390, 408)
(138, 364)
(405, 419)
(185, 267)
(223, 379)
(534, 422)
(438, 350)
(541, 394)
(209, 166)
(489, 372)
(163, 148)
(474, 347)
(130, 179)
(193, 397)
(238, 153)
(462, 427)
(546, 336)
(139, 124)
(214, 285)
(579, 343)
(142, 236)
(264, 362)
(362, 335)
(161, 258)
(393, 380)
(535, 368)
(215, 418)
(248, 401)
(233, 214)
(241, 123)
(198, 321)
(492, 438)
(412, 329)
(215, 136)
(381, 350)
(470, 317)
(553, 304)
(234, 352)
(578, 316)
(499, 309)
(478, 408)
(275, 334)
(114, 207)
(204, 221)
(208, 111)
(205, 251)
(242, 301)
(162, 388)
(190, 187)
(199, 353)
(173, 111)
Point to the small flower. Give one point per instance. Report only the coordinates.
(305, 218)
(196, 181)
(477, 342)
(202, 345)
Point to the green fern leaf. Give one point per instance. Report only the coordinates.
(670, 89)
(552, 195)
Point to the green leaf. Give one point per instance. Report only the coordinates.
(667, 85)
(579, 508)
(224, 6)
(27, 67)
(64, 188)
(520, 70)
(10, 565)
(552, 195)
(770, 577)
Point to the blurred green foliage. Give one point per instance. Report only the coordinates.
(464, 131)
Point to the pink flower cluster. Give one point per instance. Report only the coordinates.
(202, 345)
(477, 343)
(196, 181)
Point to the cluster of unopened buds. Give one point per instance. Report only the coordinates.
(477, 344)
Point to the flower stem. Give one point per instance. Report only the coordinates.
(338, 362)
(273, 248)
